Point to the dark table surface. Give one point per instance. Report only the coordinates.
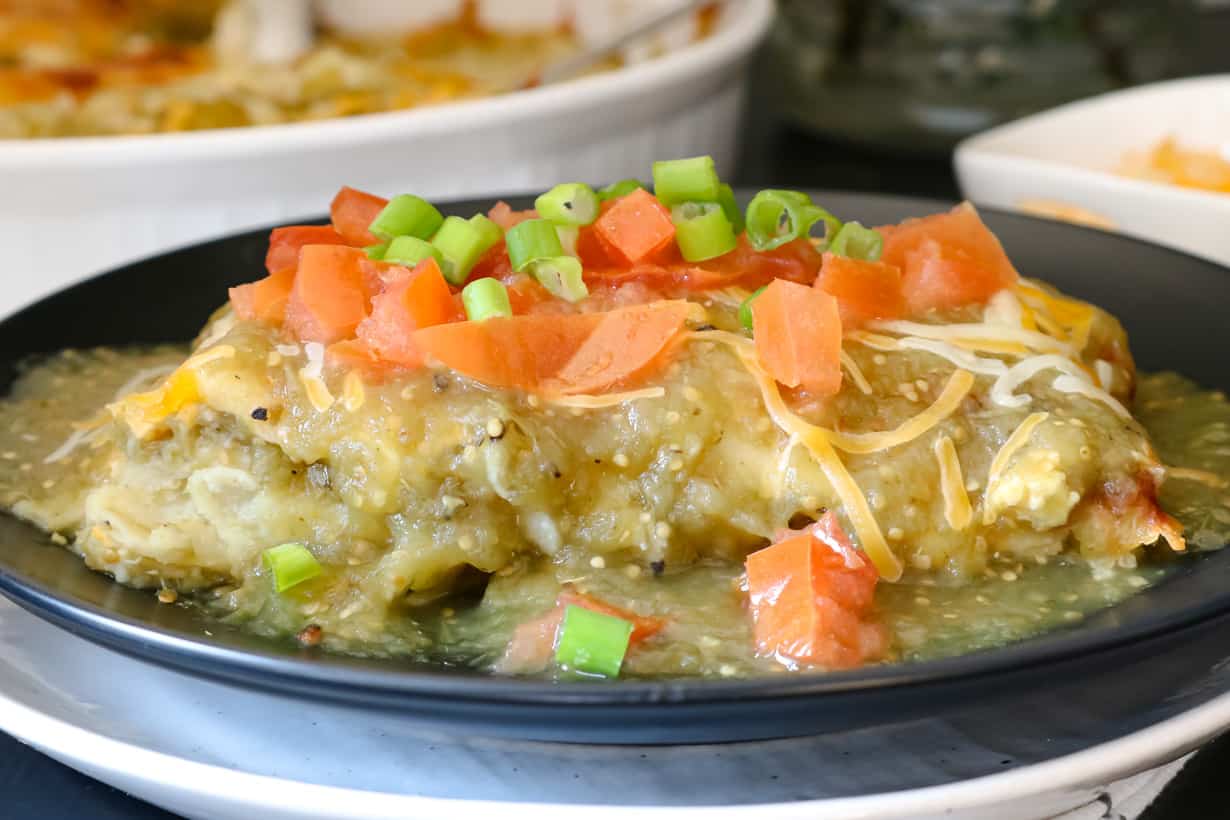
(774, 154)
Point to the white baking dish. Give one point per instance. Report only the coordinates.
(72, 207)
(1068, 156)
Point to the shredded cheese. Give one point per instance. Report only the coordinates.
(143, 378)
(875, 341)
(595, 402)
(1003, 392)
(816, 440)
(856, 373)
(218, 330)
(1067, 383)
(957, 510)
(1105, 372)
(353, 394)
(82, 434)
(976, 335)
(206, 356)
(957, 388)
(961, 358)
(1202, 476)
(312, 378)
(1015, 442)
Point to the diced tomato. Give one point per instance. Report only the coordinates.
(863, 290)
(525, 293)
(811, 597)
(533, 642)
(796, 261)
(798, 336)
(352, 354)
(352, 211)
(494, 263)
(284, 243)
(330, 295)
(947, 260)
(637, 227)
(264, 300)
(503, 215)
(421, 298)
(575, 353)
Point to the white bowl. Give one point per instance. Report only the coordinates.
(72, 207)
(1068, 156)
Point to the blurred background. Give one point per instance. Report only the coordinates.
(165, 122)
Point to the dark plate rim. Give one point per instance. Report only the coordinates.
(319, 670)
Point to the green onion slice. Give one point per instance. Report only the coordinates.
(485, 298)
(376, 251)
(686, 180)
(406, 215)
(730, 207)
(461, 243)
(776, 217)
(530, 241)
(745, 309)
(291, 565)
(568, 236)
(857, 242)
(492, 234)
(410, 250)
(617, 189)
(702, 230)
(561, 275)
(573, 203)
(591, 643)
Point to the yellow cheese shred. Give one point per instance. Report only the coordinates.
(957, 508)
(588, 402)
(950, 398)
(816, 440)
(1016, 441)
(856, 373)
(1201, 476)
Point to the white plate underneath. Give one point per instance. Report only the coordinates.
(205, 750)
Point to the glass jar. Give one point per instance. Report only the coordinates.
(918, 75)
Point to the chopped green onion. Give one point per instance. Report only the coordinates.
(776, 217)
(485, 298)
(492, 233)
(410, 250)
(745, 309)
(730, 207)
(376, 251)
(568, 236)
(686, 180)
(591, 643)
(617, 189)
(291, 565)
(702, 230)
(573, 203)
(460, 243)
(530, 241)
(857, 242)
(561, 275)
(406, 215)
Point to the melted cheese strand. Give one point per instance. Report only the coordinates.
(856, 373)
(1202, 476)
(587, 402)
(815, 439)
(83, 434)
(875, 341)
(957, 508)
(1003, 392)
(1071, 384)
(971, 333)
(961, 358)
(958, 387)
(1016, 441)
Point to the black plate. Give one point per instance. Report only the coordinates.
(1173, 306)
